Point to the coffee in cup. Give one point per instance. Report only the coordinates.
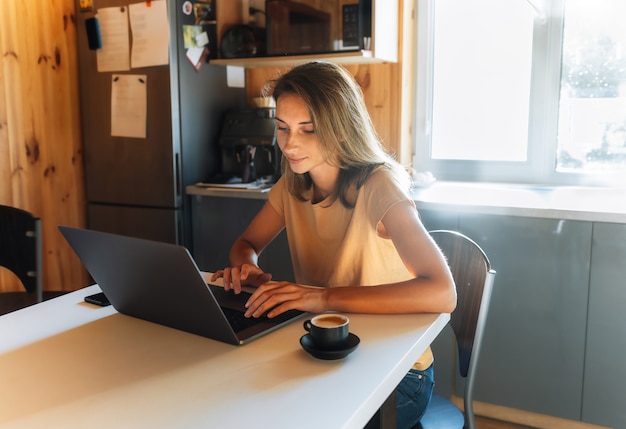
(328, 331)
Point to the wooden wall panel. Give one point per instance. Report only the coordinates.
(41, 166)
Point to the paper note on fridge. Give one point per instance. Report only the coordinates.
(115, 50)
(149, 26)
(128, 105)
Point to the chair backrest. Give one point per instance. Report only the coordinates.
(20, 246)
(474, 278)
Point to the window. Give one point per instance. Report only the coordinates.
(525, 91)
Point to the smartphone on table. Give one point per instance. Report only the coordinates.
(98, 299)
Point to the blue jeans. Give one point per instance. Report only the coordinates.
(412, 397)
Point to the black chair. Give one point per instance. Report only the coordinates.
(474, 278)
(20, 252)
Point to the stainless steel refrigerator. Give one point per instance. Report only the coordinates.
(136, 186)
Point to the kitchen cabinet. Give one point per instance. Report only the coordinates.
(555, 329)
(605, 374)
(534, 345)
(218, 221)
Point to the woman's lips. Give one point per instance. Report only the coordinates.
(294, 160)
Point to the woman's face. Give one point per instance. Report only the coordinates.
(296, 135)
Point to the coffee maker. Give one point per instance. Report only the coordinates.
(248, 146)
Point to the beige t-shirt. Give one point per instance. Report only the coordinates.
(336, 246)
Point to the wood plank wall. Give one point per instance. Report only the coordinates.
(41, 165)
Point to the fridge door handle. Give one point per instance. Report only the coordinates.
(179, 190)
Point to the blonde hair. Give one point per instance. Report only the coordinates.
(343, 126)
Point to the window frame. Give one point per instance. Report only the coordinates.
(540, 166)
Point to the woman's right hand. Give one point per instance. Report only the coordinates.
(243, 275)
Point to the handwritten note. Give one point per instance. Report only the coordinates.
(150, 28)
(114, 54)
(128, 105)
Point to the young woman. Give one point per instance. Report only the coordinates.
(351, 225)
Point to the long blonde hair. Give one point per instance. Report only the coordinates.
(343, 126)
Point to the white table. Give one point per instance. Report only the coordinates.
(68, 364)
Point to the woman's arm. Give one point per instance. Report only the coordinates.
(244, 253)
(430, 290)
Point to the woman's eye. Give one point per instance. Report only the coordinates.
(283, 129)
(309, 131)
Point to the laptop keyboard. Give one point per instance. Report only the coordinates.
(239, 322)
(233, 308)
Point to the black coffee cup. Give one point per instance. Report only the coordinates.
(328, 331)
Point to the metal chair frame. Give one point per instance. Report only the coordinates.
(474, 280)
(20, 247)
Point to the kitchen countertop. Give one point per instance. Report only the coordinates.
(552, 202)
(209, 190)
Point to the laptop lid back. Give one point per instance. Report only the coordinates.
(153, 281)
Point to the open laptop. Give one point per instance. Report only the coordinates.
(161, 283)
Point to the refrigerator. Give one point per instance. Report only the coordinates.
(135, 186)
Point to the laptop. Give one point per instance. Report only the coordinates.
(161, 283)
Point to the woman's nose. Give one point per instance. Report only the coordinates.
(289, 143)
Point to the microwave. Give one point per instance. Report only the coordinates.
(296, 28)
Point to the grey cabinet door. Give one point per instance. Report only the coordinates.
(218, 221)
(439, 220)
(604, 396)
(534, 344)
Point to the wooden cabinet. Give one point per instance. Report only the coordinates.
(293, 26)
(382, 46)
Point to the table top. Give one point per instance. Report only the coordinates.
(66, 363)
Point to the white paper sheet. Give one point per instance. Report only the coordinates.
(150, 27)
(235, 77)
(129, 105)
(114, 54)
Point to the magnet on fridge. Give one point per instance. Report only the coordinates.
(93, 33)
(85, 5)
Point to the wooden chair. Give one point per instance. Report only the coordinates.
(20, 252)
(474, 278)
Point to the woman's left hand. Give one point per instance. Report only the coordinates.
(275, 298)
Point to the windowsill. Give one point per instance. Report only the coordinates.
(555, 202)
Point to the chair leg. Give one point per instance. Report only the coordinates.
(39, 272)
